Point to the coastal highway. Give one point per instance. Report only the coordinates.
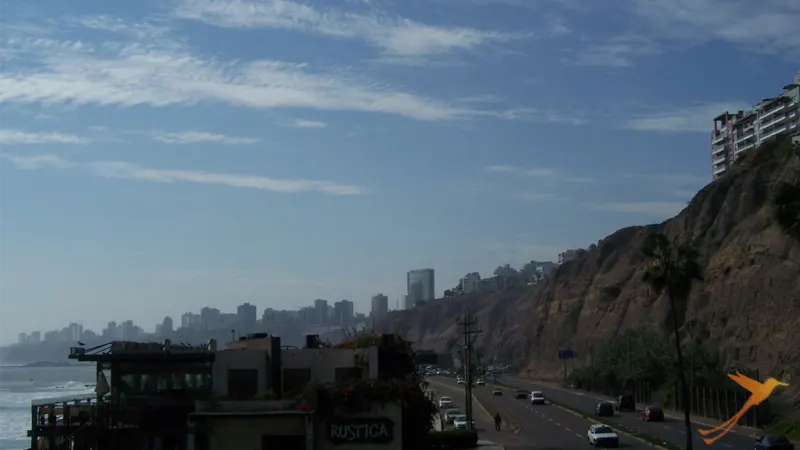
(541, 426)
(672, 430)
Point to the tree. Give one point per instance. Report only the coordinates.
(786, 199)
(672, 268)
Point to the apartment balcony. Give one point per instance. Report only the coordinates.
(769, 112)
(718, 138)
(717, 150)
(787, 128)
(719, 170)
(719, 160)
(747, 136)
(744, 148)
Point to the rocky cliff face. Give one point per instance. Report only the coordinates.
(748, 306)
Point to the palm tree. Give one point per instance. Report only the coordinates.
(672, 269)
(786, 199)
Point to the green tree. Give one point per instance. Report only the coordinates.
(786, 198)
(672, 268)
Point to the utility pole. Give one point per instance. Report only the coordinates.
(467, 325)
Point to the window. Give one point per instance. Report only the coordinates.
(295, 380)
(242, 384)
(347, 373)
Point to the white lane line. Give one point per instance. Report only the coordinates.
(728, 445)
(681, 432)
(669, 428)
(567, 429)
(576, 434)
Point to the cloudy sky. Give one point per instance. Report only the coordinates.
(160, 156)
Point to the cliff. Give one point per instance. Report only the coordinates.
(748, 306)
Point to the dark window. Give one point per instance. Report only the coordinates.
(283, 442)
(295, 380)
(347, 373)
(242, 384)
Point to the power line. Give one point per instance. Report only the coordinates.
(468, 324)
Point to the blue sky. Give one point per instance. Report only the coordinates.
(159, 156)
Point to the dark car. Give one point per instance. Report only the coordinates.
(773, 443)
(626, 402)
(604, 409)
(521, 393)
(653, 413)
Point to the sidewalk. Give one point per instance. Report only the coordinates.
(677, 415)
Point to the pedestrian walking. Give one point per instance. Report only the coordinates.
(497, 421)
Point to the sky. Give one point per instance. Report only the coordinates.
(160, 156)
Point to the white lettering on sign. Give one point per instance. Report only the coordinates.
(356, 432)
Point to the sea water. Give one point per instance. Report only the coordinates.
(20, 385)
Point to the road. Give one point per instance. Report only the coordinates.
(542, 426)
(671, 430)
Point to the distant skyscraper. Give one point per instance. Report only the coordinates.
(320, 312)
(246, 316)
(420, 285)
(343, 313)
(379, 308)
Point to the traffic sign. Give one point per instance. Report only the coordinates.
(566, 354)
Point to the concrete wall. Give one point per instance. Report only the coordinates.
(239, 359)
(323, 362)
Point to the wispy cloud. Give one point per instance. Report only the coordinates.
(300, 123)
(18, 137)
(769, 27)
(535, 197)
(197, 137)
(537, 172)
(690, 119)
(394, 36)
(617, 51)
(661, 210)
(132, 171)
(164, 73)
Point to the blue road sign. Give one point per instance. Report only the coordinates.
(566, 354)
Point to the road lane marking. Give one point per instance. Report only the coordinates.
(728, 445)
(576, 434)
(567, 429)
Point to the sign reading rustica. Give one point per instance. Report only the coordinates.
(361, 430)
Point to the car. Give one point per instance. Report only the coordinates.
(653, 413)
(460, 422)
(604, 409)
(450, 413)
(497, 391)
(459, 380)
(602, 435)
(537, 398)
(445, 402)
(773, 443)
(521, 393)
(626, 402)
(480, 382)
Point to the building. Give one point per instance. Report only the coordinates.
(379, 307)
(246, 317)
(568, 255)
(735, 133)
(343, 313)
(420, 287)
(320, 312)
(257, 364)
(470, 283)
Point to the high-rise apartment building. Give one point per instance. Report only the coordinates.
(379, 307)
(735, 133)
(246, 316)
(343, 313)
(420, 285)
(320, 312)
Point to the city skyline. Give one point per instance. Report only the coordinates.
(156, 157)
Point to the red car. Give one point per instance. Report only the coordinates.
(653, 414)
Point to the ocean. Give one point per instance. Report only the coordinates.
(19, 385)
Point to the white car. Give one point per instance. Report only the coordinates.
(460, 422)
(460, 380)
(445, 402)
(537, 398)
(480, 382)
(450, 415)
(601, 435)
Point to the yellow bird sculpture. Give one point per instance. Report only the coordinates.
(758, 393)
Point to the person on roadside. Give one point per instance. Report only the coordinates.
(497, 421)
